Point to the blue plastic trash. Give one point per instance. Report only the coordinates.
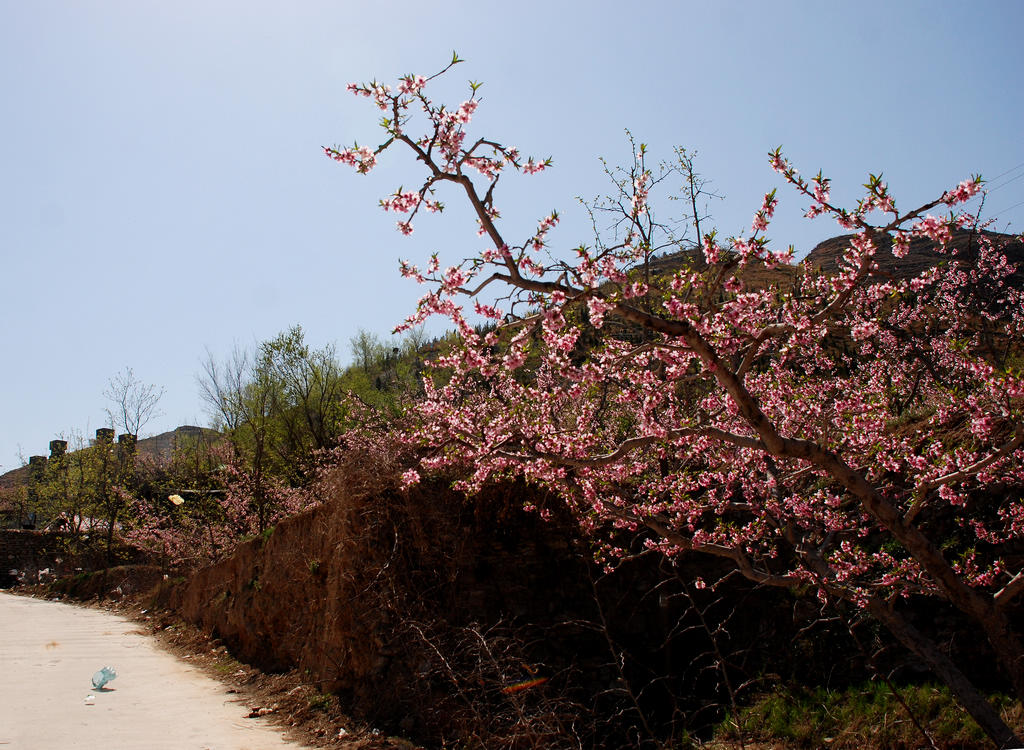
(102, 677)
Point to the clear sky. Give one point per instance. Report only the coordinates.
(163, 190)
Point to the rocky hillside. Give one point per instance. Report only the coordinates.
(922, 256)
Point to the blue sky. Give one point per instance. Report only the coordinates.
(163, 192)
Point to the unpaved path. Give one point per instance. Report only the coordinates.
(48, 654)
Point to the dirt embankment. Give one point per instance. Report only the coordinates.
(469, 621)
(424, 612)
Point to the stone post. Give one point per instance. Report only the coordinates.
(58, 448)
(127, 443)
(36, 470)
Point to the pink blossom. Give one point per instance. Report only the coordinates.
(982, 425)
(411, 84)
(597, 308)
(900, 245)
(409, 478)
(640, 188)
(401, 202)
(363, 159)
(864, 330)
(532, 167)
(962, 192)
(637, 289)
(725, 416)
(454, 278)
(465, 112)
(934, 228)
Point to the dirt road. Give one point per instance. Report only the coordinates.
(48, 654)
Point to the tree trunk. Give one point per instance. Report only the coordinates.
(966, 694)
(982, 609)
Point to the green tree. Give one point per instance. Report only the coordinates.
(66, 492)
(368, 351)
(88, 492)
(307, 389)
(241, 397)
(277, 405)
(387, 377)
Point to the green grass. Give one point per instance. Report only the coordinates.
(320, 701)
(227, 666)
(866, 716)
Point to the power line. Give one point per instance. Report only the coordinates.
(1012, 169)
(1009, 208)
(1005, 183)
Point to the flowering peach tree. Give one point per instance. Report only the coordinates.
(858, 434)
(204, 504)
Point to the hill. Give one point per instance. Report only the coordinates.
(922, 255)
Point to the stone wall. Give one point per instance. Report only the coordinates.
(31, 557)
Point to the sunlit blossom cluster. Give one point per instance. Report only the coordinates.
(363, 159)
(962, 192)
